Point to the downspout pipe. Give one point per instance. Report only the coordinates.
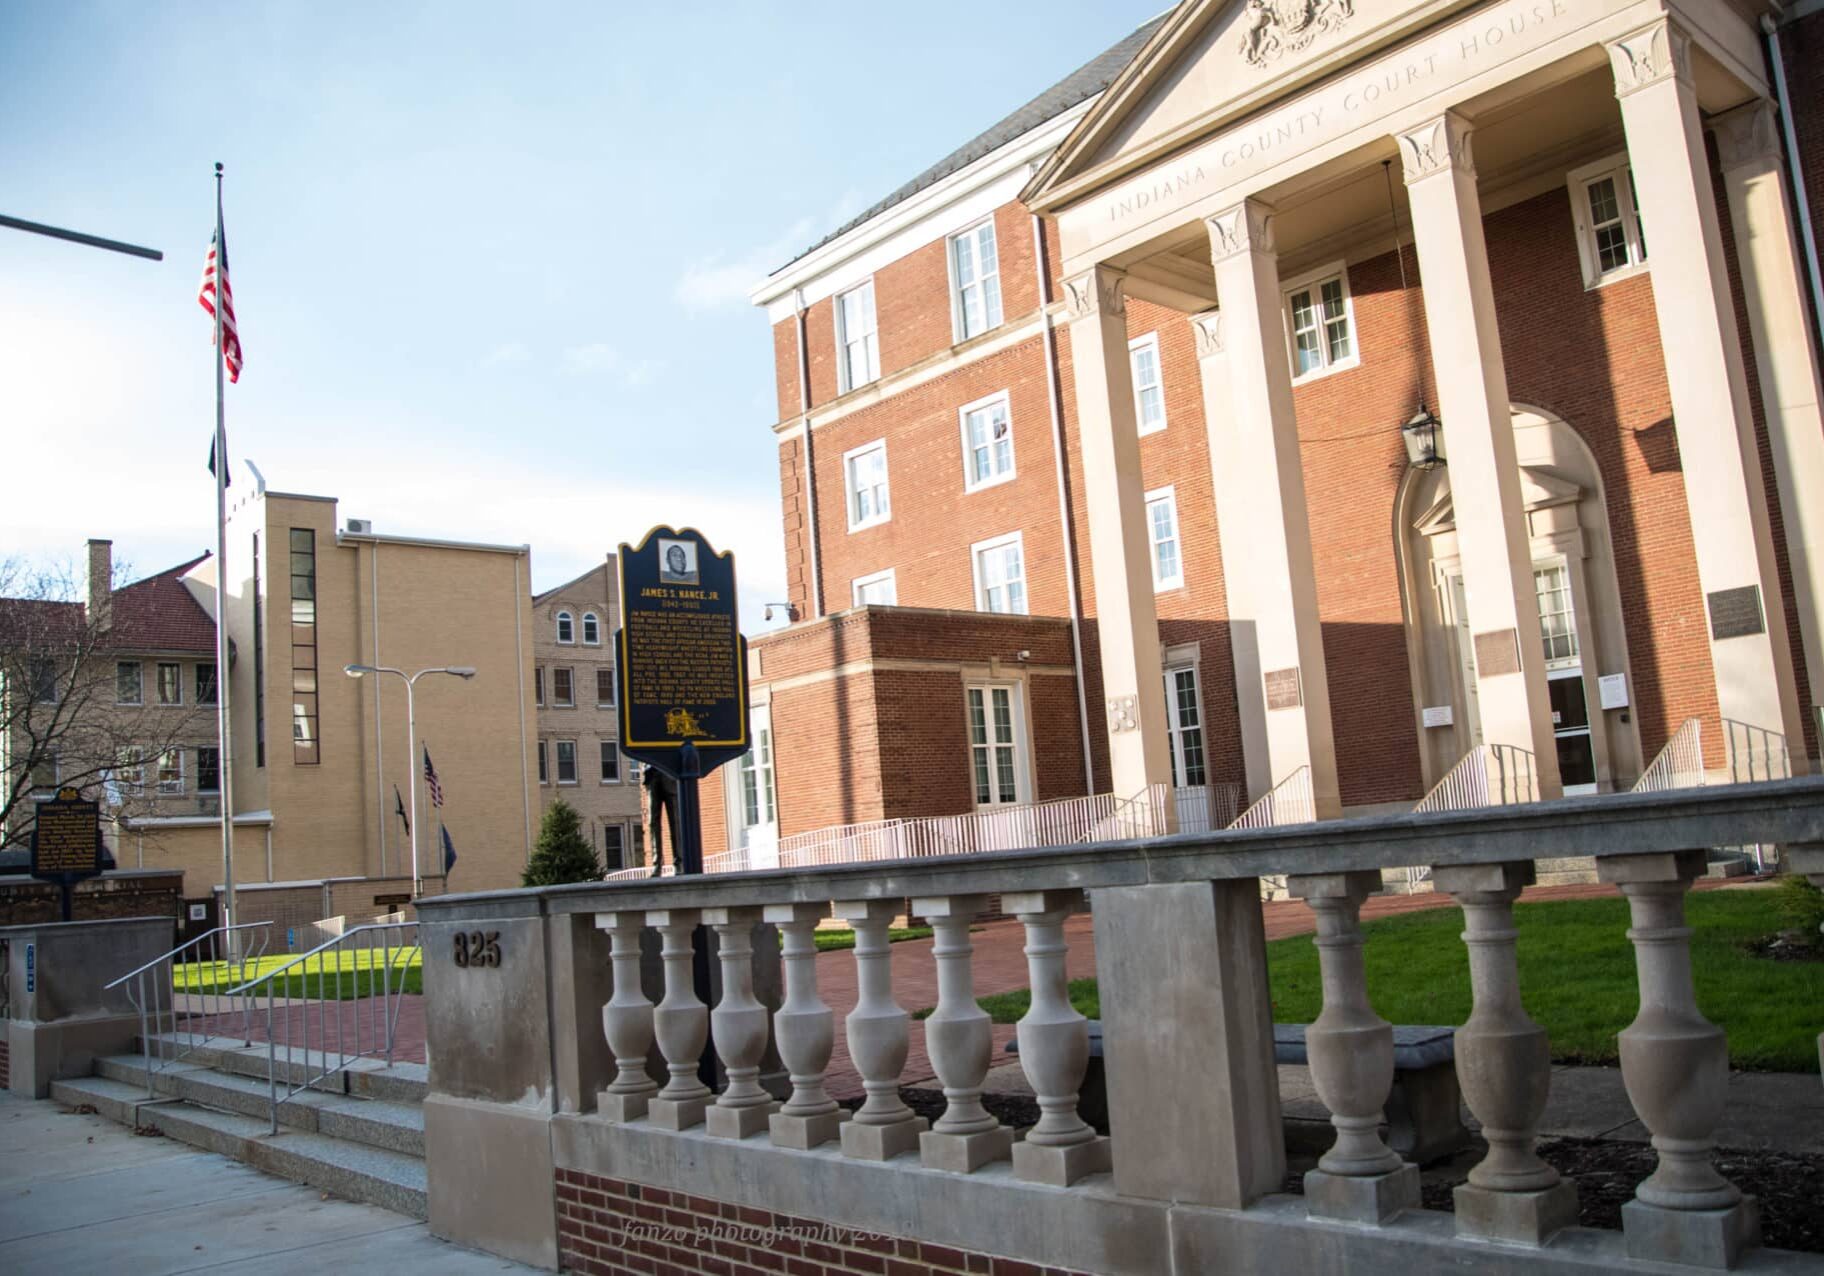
(810, 466)
(1796, 173)
(1054, 393)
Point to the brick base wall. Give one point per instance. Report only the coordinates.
(6, 1065)
(610, 1226)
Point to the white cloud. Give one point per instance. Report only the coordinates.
(712, 282)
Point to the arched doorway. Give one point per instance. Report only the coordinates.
(1581, 626)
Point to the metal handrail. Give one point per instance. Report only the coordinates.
(1288, 802)
(158, 977)
(382, 1023)
(1681, 756)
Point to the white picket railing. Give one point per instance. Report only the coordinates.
(1488, 775)
(1755, 753)
(1679, 764)
(1288, 802)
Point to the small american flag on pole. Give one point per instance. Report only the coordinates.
(205, 296)
(430, 779)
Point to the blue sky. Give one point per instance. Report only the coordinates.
(490, 260)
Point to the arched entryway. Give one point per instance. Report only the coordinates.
(1581, 625)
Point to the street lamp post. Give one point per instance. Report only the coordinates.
(411, 739)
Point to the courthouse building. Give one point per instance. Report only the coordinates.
(1313, 395)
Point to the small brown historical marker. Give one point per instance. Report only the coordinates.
(66, 842)
(1736, 613)
(1497, 652)
(1283, 688)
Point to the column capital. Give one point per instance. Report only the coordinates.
(1441, 144)
(1747, 136)
(1206, 328)
(1245, 227)
(1098, 290)
(1645, 57)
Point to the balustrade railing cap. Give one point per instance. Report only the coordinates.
(1596, 826)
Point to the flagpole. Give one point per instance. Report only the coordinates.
(223, 715)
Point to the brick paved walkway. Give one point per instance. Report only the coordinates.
(1000, 966)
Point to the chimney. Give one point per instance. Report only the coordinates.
(101, 583)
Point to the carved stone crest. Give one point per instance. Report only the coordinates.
(1123, 713)
(1271, 28)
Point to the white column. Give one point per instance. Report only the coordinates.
(1259, 482)
(1120, 550)
(681, 1023)
(806, 1031)
(878, 1040)
(1504, 1064)
(1724, 488)
(1351, 1052)
(1675, 1065)
(959, 1038)
(1054, 1049)
(1760, 212)
(739, 1025)
(626, 1021)
(1479, 442)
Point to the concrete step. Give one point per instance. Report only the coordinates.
(372, 1078)
(353, 1171)
(391, 1126)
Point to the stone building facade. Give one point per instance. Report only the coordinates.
(1135, 362)
(578, 750)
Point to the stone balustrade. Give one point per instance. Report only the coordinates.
(1189, 1177)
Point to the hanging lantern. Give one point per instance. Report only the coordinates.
(1424, 436)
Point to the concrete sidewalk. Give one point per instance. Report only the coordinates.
(79, 1193)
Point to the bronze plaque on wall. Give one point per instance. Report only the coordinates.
(1736, 613)
(1497, 652)
(1283, 689)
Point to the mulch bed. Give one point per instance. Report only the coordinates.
(1606, 1174)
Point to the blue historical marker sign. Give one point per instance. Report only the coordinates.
(682, 663)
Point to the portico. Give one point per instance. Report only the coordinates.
(1226, 172)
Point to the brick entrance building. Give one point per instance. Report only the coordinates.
(1131, 368)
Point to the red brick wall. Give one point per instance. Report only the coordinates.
(608, 1227)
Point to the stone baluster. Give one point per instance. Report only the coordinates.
(1054, 1049)
(739, 1026)
(959, 1037)
(806, 1032)
(1351, 1052)
(1504, 1065)
(884, 1127)
(681, 1023)
(626, 1022)
(1675, 1065)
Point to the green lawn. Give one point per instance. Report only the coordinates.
(832, 939)
(1576, 974)
(331, 976)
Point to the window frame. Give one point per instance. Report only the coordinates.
(975, 568)
(995, 477)
(139, 682)
(538, 686)
(162, 786)
(1313, 281)
(614, 861)
(202, 771)
(1175, 729)
(888, 577)
(122, 767)
(610, 749)
(177, 677)
(544, 764)
(1148, 341)
(564, 621)
(214, 686)
(959, 310)
(557, 764)
(1578, 182)
(1560, 564)
(569, 675)
(757, 770)
(46, 680)
(1167, 495)
(602, 671)
(884, 506)
(845, 378)
(591, 621)
(1022, 753)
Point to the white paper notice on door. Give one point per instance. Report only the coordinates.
(1613, 688)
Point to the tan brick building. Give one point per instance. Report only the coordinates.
(578, 751)
(1134, 364)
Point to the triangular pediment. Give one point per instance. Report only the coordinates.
(1539, 489)
(1212, 62)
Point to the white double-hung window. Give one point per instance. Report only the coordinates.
(1000, 574)
(1149, 383)
(1162, 532)
(987, 442)
(857, 338)
(975, 280)
(994, 743)
(878, 590)
(1605, 206)
(865, 471)
(1320, 319)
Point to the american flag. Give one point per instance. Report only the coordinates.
(430, 779)
(205, 296)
